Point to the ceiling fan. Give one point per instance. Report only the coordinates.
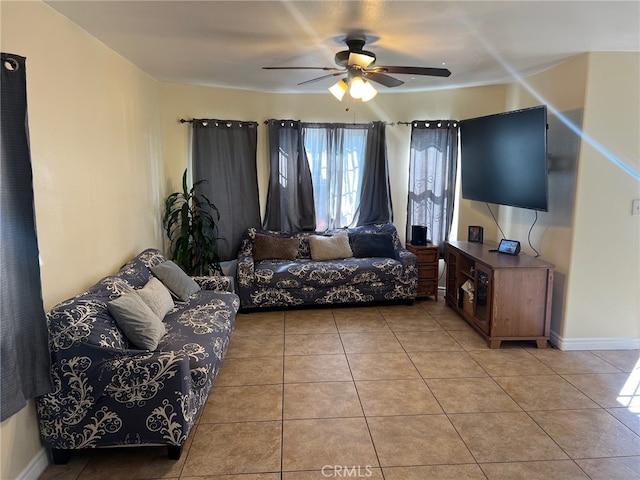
(359, 66)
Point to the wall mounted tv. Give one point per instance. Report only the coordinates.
(504, 158)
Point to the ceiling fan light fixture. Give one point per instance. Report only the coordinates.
(361, 59)
(356, 88)
(339, 88)
(368, 92)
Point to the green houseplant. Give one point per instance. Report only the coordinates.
(190, 221)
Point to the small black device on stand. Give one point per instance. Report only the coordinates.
(510, 247)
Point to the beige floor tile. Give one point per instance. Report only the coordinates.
(356, 312)
(259, 323)
(469, 339)
(396, 397)
(316, 368)
(544, 392)
(417, 440)
(629, 416)
(313, 344)
(588, 433)
(609, 390)
(446, 365)
(244, 346)
(510, 362)
(435, 472)
(249, 476)
(573, 362)
(310, 324)
(505, 437)
(470, 395)
(381, 366)
(337, 472)
(243, 404)
(368, 324)
(625, 360)
(611, 468)
(250, 371)
(415, 323)
(451, 321)
(439, 341)
(250, 447)
(313, 444)
(370, 342)
(402, 310)
(69, 471)
(321, 400)
(556, 470)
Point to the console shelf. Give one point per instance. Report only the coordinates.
(504, 297)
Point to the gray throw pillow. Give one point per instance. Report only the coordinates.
(176, 280)
(140, 325)
(330, 248)
(157, 297)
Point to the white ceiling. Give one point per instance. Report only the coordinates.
(225, 43)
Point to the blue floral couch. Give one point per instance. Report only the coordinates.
(107, 392)
(301, 281)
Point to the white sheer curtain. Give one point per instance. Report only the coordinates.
(336, 154)
(432, 176)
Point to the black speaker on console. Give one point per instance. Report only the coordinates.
(418, 235)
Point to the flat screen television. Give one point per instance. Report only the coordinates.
(504, 158)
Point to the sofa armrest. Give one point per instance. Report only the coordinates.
(220, 283)
(246, 271)
(408, 260)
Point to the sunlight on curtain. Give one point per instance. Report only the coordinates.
(336, 154)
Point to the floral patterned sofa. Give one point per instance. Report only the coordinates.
(299, 280)
(107, 391)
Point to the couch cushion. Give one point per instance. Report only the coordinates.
(176, 280)
(330, 248)
(372, 245)
(267, 247)
(142, 327)
(157, 297)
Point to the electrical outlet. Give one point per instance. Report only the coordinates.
(635, 207)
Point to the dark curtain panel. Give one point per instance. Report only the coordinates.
(24, 361)
(375, 195)
(290, 205)
(224, 154)
(433, 160)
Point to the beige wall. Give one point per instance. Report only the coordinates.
(95, 147)
(182, 101)
(603, 296)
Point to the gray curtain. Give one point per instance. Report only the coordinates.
(24, 362)
(433, 160)
(375, 196)
(224, 154)
(290, 206)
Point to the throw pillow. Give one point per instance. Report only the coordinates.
(176, 280)
(372, 245)
(330, 248)
(268, 247)
(140, 325)
(157, 297)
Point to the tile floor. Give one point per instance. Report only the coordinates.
(397, 393)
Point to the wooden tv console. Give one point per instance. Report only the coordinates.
(511, 297)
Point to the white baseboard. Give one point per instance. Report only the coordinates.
(594, 343)
(37, 465)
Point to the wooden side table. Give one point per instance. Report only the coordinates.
(428, 256)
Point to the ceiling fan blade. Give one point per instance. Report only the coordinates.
(434, 72)
(383, 79)
(341, 72)
(330, 69)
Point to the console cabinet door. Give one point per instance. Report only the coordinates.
(483, 291)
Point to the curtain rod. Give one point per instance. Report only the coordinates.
(391, 124)
(426, 121)
(193, 120)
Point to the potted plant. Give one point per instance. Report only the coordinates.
(190, 221)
